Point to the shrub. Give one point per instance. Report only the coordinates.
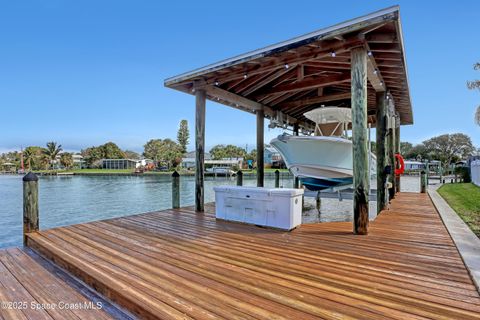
(464, 173)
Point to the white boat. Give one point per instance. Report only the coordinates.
(323, 160)
(220, 171)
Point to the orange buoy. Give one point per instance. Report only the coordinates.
(400, 164)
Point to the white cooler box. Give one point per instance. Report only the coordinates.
(277, 208)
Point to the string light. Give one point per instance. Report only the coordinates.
(333, 54)
(287, 66)
(245, 76)
(370, 53)
(375, 71)
(216, 83)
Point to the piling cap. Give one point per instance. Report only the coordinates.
(175, 174)
(30, 177)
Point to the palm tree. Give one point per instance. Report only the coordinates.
(66, 159)
(52, 151)
(29, 157)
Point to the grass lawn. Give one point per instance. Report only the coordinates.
(464, 198)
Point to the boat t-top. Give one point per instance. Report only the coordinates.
(323, 160)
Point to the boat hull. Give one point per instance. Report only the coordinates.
(319, 162)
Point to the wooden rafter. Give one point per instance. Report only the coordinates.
(316, 100)
(310, 83)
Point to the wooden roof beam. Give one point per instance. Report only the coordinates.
(309, 83)
(265, 81)
(381, 38)
(373, 74)
(247, 104)
(324, 51)
(315, 100)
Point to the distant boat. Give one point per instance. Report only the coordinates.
(220, 171)
(324, 160)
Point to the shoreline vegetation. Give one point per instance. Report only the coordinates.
(464, 198)
(107, 172)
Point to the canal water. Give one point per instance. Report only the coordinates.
(66, 200)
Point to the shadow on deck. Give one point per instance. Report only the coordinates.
(179, 264)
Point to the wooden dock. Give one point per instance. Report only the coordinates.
(30, 289)
(180, 264)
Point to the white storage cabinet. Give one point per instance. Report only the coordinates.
(277, 208)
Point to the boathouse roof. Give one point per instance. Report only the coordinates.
(292, 77)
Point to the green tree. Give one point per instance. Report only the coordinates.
(221, 151)
(472, 85)
(405, 147)
(252, 155)
(91, 156)
(449, 147)
(183, 135)
(153, 149)
(32, 157)
(66, 159)
(164, 151)
(131, 155)
(52, 151)
(109, 150)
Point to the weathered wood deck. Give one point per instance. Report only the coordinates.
(29, 290)
(179, 264)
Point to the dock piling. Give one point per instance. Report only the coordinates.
(239, 178)
(381, 151)
(260, 147)
(175, 190)
(30, 205)
(296, 183)
(361, 170)
(423, 182)
(318, 202)
(200, 109)
(277, 179)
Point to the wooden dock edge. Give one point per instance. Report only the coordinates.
(111, 308)
(467, 243)
(99, 284)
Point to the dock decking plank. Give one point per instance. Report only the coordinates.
(45, 295)
(182, 264)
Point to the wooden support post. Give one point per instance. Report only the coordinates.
(397, 150)
(361, 174)
(318, 202)
(175, 190)
(260, 147)
(423, 182)
(391, 156)
(277, 179)
(200, 99)
(428, 173)
(381, 152)
(296, 183)
(239, 178)
(296, 128)
(30, 205)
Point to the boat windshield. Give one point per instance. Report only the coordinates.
(329, 115)
(330, 121)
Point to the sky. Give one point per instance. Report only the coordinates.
(82, 73)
